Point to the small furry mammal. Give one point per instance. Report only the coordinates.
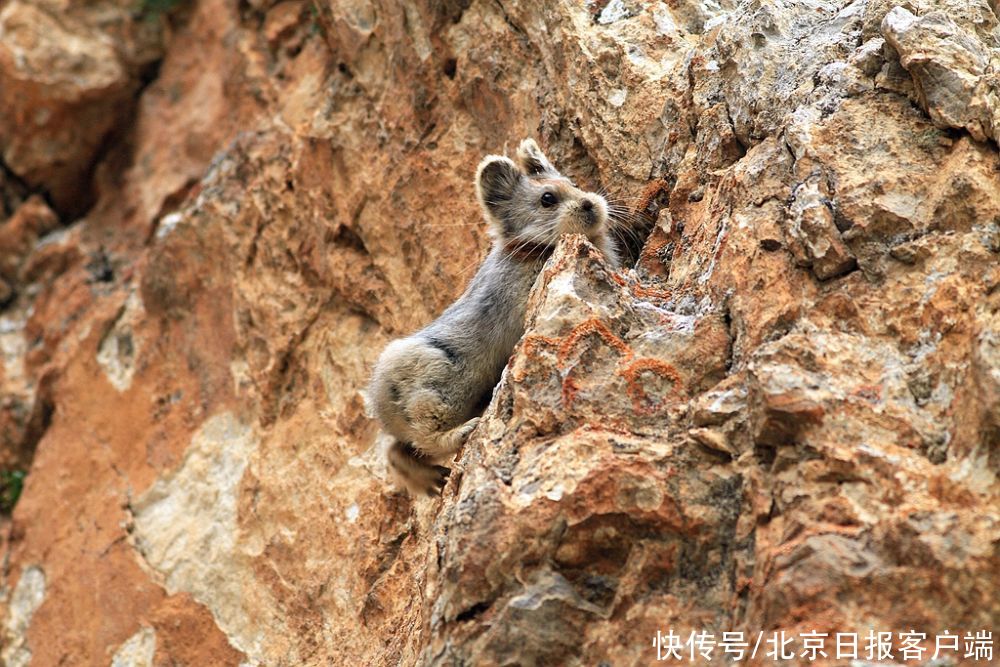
(428, 389)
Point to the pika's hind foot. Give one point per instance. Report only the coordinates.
(446, 443)
(415, 472)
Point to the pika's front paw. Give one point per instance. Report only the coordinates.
(414, 472)
(466, 429)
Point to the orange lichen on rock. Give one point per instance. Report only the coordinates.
(573, 341)
(648, 200)
(649, 402)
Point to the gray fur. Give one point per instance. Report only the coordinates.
(427, 389)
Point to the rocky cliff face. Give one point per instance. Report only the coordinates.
(786, 417)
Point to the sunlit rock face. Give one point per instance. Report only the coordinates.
(782, 415)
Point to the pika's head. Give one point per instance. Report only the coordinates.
(530, 202)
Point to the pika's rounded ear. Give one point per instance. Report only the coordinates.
(496, 179)
(533, 160)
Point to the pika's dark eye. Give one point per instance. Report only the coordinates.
(549, 200)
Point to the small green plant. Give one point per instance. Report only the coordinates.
(151, 10)
(11, 485)
(315, 27)
(931, 139)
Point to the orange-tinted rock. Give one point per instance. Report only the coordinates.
(68, 72)
(19, 234)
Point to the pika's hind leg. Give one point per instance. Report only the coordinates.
(431, 417)
(415, 472)
(413, 466)
(440, 444)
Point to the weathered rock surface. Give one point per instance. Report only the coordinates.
(785, 416)
(68, 71)
(952, 50)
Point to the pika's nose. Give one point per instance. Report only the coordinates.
(589, 217)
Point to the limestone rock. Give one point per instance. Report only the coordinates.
(67, 71)
(21, 233)
(953, 66)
